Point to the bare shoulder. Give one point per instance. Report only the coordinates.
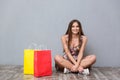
(84, 38)
(64, 37)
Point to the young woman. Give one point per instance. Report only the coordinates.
(74, 42)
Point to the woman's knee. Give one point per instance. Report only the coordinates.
(58, 58)
(93, 58)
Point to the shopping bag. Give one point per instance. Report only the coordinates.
(28, 61)
(42, 63)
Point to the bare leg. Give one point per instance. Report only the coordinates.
(87, 61)
(61, 62)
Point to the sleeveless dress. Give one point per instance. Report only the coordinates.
(74, 52)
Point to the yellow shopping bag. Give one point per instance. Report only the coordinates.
(28, 61)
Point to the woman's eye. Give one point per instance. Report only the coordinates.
(75, 26)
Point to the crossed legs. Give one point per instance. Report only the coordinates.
(85, 62)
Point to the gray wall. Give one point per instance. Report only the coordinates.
(23, 22)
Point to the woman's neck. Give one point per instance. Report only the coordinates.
(75, 40)
(74, 36)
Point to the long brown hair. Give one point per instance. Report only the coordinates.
(69, 31)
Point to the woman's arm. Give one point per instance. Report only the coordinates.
(80, 55)
(65, 47)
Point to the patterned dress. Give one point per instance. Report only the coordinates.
(74, 52)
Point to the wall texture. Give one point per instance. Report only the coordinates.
(23, 22)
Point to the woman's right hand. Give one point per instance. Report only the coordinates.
(74, 68)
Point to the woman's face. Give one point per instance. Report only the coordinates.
(75, 28)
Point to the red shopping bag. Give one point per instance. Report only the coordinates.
(42, 63)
